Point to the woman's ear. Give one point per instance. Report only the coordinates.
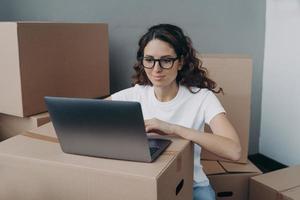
(180, 67)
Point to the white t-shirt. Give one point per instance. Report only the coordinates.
(186, 109)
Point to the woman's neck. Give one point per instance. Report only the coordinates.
(165, 94)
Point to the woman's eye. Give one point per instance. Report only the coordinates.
(148, 59)
(165, 60)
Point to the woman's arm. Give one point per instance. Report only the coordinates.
(223, 142)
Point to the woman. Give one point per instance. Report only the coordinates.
(177, 98)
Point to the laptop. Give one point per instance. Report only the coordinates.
(103, 128)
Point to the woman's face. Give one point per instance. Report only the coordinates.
(159, 77)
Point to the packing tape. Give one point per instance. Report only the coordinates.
(41, 137)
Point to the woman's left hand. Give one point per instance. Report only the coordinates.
(158, 126)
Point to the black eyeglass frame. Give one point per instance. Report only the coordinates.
(159, 62)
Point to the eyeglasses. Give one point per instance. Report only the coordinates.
(165, 63)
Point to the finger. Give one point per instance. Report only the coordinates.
(148, 121)
(159, 132)
(155, 130)
(151, 127)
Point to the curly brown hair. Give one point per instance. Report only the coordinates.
(192, 73)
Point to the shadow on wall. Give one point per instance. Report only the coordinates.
(266, 164)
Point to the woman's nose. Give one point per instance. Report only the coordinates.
(157, 67)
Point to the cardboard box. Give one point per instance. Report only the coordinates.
(55, 59)
(291, 194)
(33, 167)
(230, 180)
(281, 184)
(234, 74)
(12, 125)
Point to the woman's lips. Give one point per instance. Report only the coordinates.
(158, 77)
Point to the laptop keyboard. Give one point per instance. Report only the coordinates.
(153, 150)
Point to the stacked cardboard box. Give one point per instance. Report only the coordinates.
(234, 74)
(12, 125)
(282, 184)
(40, 59)
(33, 167)
(230, 180)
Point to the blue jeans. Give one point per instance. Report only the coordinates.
(203, 193)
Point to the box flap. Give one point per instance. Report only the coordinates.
(281, 180)
(40, 115)
(41, 118)
(221, 167)
(212, 167)
(46, 129)
(239, 168)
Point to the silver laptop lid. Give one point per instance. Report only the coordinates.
(101, 128)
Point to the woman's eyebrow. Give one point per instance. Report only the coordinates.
(148, 56)
(165, 56)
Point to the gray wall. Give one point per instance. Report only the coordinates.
(226, 26)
